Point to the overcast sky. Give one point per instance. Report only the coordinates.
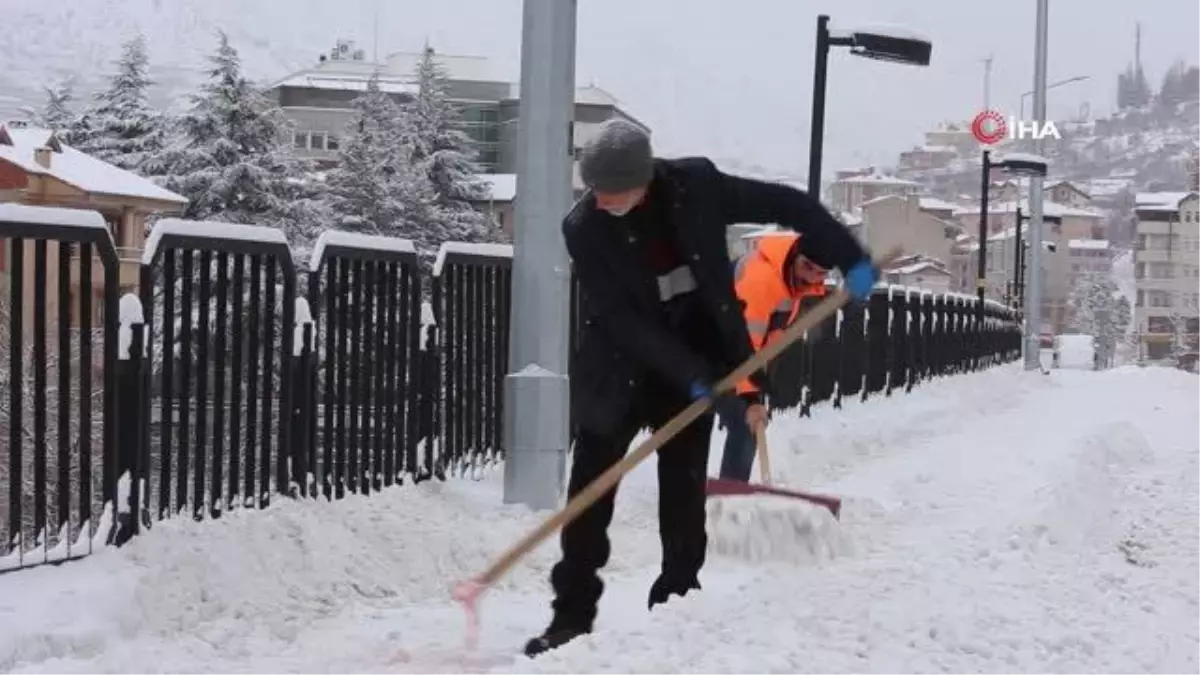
(733, 79)
(728, 78)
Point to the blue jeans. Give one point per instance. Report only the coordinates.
(740, 449)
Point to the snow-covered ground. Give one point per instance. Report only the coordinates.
(999, 521)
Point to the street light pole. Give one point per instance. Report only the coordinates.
(1033, 303)
(535, 425)
(884, 46)
(817, 133)
(1069, 80)
(1017, 285)
(981, 272)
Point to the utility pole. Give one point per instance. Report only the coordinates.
(1033, 303)
(536, 395)
(987, 82)
(375, 39)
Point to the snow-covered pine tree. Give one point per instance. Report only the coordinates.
(441, 143)
(56, 112)
(1100, 310)
(121, 127)
(233, 161)
(363, 189)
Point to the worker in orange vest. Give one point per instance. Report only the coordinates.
(771, 280)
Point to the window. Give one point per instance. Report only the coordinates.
(1159, 324)
(331, 142)
(300, 140)
(316, 140)
(1157, 299)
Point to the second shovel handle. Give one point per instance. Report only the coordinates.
(764, 461)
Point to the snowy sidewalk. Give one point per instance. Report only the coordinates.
(999, 522)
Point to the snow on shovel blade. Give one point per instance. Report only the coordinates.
(718, 487)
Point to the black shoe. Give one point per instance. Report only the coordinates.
(553, 638)
(664, 588)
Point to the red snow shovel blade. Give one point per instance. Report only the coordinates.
(723, 487)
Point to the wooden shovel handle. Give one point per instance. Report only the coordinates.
(607, 480)
(764, 460)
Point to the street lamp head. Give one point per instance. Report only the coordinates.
(891, 43)
(1023, 164)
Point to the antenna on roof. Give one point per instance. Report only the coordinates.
(375, 40)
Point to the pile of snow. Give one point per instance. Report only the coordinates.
(1000, 521)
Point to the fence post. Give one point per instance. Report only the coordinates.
(303, 368)
(131, 421)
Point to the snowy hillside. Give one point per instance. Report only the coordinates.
(49, 39)
(997, 522)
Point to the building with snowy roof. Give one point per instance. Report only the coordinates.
(319, 102)
(36, 168)
(1167, 272)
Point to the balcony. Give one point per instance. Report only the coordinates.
(1150, 255)
(1157, 227)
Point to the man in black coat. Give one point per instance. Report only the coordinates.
(662, 323)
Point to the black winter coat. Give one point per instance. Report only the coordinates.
(622, 340)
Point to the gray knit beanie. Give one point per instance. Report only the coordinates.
(618, 158)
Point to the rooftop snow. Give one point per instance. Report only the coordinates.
(1049, 208)
(1090, 244)
(502, 186)
(75, 168)
(935, 204)
(347, 82)
(876, 179)
(1171, 199)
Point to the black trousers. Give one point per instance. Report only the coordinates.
(682, 473)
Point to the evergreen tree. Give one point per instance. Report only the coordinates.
(121, 127)
(1123, 96)
(1097, 311)
(375, 188)
(1140, 91)
(1171, 91)
(233, 161)
(440, 143)
(56, 112)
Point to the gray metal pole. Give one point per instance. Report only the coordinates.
(535, 427)
(1033, 302)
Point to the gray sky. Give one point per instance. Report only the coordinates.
(732, 79)
(719, 77)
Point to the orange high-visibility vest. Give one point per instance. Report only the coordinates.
(770, 303)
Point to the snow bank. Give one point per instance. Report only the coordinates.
(998, 521)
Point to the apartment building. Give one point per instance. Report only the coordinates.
(38, 169)
(1070, 245)
(919, 271)
(1167, 272)
(904, 221)
(319, 101)
(851, 189)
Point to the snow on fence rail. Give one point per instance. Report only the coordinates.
(234, 374)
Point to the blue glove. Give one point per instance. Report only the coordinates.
(731, 409)
(860, 279)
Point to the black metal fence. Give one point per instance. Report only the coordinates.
(227, 375)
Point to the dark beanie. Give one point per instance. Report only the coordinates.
(618, 158)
